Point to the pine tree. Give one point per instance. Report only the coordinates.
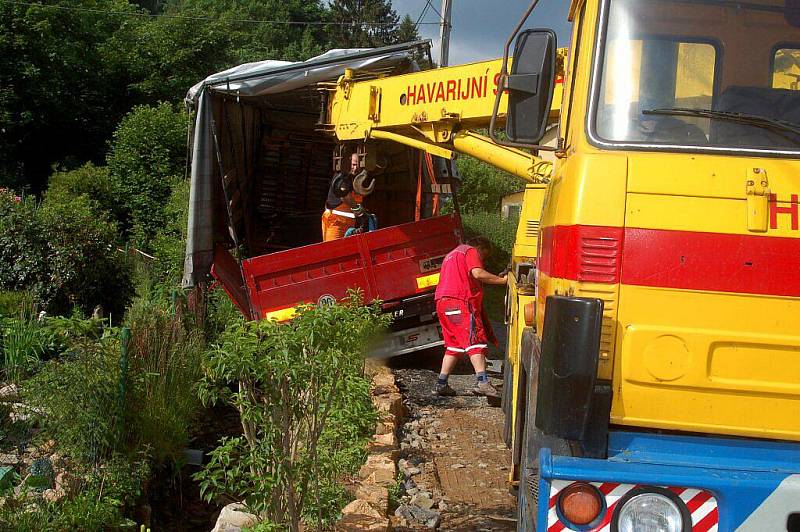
(407, 31)
(363, 23)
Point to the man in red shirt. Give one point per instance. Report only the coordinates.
(459, 306)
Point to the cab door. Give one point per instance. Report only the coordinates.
(710, 296)
(709, 315)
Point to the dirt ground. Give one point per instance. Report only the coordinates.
(452, 450)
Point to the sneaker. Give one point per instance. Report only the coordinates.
(486, 389)
(443, 390)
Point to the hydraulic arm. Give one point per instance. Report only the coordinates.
(432, 110)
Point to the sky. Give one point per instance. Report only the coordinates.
(481, 27)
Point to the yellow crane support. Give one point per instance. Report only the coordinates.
(431, 110)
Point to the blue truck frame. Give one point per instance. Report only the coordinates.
(756, 483)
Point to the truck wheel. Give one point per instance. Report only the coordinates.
(508, 392)
(527, 497)
(532, 442)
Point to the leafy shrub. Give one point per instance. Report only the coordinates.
(220, 314)
(64, 333)
(501, 233)
(89, 180)
(86, 511)
(483, 186)
(304, 406)
(87, 405)
(22, 244)
(148, 155)
(84, 268)
(169, 243)
(107, 493)
(64, 252)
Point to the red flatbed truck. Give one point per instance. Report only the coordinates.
(258, 191)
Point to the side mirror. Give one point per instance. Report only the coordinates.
(530, 86)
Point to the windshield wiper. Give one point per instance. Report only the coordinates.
(778, 126)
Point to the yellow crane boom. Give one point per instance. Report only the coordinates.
(431, 110)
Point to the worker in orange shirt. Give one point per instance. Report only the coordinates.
(341, 210)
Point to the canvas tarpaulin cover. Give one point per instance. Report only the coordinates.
(208, 212)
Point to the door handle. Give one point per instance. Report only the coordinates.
(757, 195)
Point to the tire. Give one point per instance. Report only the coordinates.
(533, 441)
(508, 385)
(527, 495)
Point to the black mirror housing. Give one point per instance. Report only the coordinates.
(530, 86)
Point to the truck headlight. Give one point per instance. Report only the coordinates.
(650, 512)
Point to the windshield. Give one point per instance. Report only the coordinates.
(702, 74)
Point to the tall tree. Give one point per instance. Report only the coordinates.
(70, 69)
(363, 23)
(153, 6)
(57, 99)
(407, 31)
(199, 37)
(290, 29)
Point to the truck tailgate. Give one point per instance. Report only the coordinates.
(388, 264)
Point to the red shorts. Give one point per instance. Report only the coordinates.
(462, 330)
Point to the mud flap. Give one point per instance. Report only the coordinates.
(570, 352)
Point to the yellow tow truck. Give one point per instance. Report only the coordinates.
(653, 366)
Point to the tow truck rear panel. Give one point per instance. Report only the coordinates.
(725, 484)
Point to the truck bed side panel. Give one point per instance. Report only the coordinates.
(384, 264)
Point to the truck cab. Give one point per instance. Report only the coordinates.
(654, 376)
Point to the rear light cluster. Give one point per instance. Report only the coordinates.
(585, 506)
(582, 253)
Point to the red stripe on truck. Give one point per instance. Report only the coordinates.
(712, 262)
(688, 260)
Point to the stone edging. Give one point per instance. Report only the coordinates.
(370, 510)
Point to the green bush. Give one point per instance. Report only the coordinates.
(220, 314)
(501, 233)
(89, 180)
(169, 244)
(66, 333)
(13, 302)
(64, 251)
(92, 409)
(106, 495)
(84, 268)
(22, 244)
(483, 186)
(147, 157)
(305, 410)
